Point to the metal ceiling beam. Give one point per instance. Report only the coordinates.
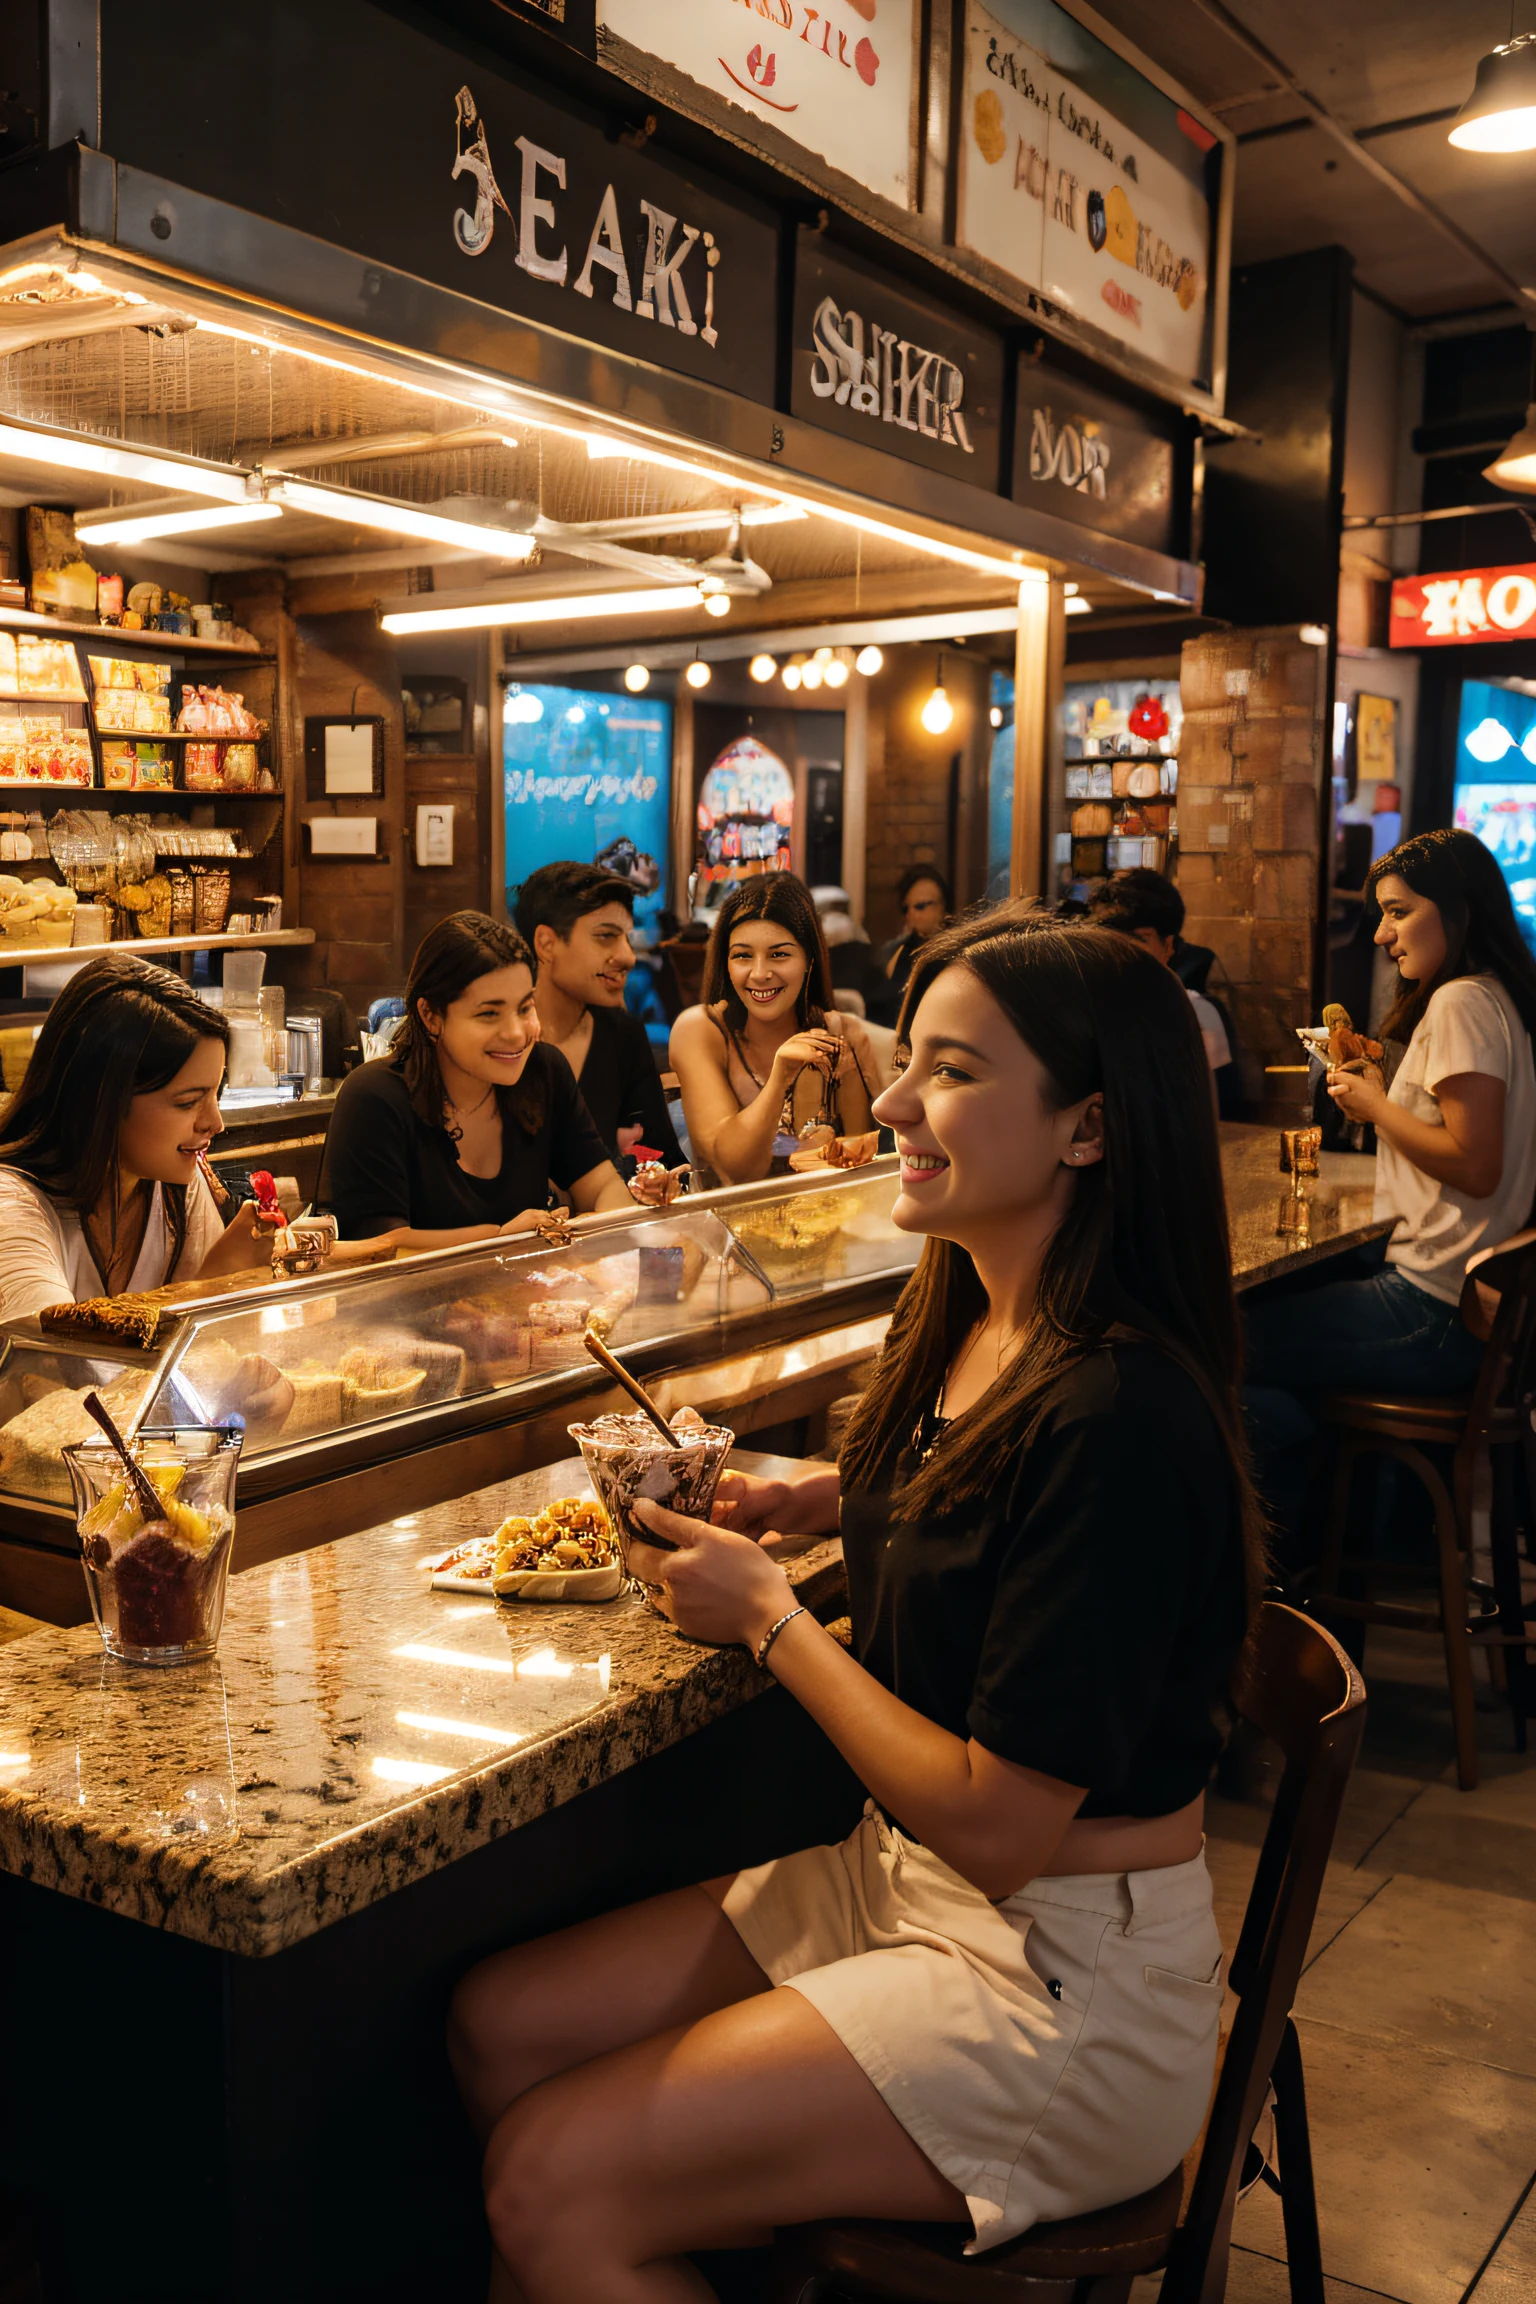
(1521, 295)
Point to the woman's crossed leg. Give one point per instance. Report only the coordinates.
(644, 2091)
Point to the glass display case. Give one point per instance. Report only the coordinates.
(334, 1372)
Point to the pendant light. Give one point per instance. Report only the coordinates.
(1500, 113)
(938, 712)
(637, 678)
(697, 674)
(1515, 466)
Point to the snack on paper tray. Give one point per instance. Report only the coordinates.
(566, 1552)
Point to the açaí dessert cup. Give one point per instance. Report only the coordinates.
(157, 1586)
(626, 1458)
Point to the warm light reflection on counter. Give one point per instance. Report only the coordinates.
(410, 1772)
(469, 1728)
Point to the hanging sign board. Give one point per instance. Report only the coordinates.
(840, 80)
(1093, 460)
(1462, 606)
(1079, 178)
(452, 170)
(893, 371)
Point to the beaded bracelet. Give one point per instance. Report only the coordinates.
(772, 1634)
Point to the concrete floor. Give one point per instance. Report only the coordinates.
(1417, 2012)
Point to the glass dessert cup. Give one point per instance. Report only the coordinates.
(626, 1458)
(157, 1586)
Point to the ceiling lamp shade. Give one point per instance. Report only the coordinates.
(1500, 113)
(1515, 466)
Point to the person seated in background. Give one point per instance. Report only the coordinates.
(461, 1130)
(1455, 1159)
(1146, 905)
(579, 919)
(926, 903)
(101, 1192)
(766, 1054)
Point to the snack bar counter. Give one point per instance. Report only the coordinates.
(374, 1393)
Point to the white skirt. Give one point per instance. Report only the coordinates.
(1051, 2054)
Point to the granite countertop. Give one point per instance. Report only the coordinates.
(1336, 1210)
(357, 1732)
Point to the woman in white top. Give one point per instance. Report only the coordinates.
(1455, 1133)
(100, 1190)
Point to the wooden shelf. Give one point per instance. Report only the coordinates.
(148, 947)
(83, 795)
(60, 628)
(167, 736)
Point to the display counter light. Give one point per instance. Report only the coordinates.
(585, 605)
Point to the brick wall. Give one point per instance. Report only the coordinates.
(1251, 776)
(909, 778)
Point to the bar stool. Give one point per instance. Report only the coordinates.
(1296, 1685)
(1489, 1430)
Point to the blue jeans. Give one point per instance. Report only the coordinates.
(1339, 1326)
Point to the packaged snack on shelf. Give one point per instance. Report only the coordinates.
(215, 712)
(210, 902)
(36, 911)
(48, 668)
(117, 765)
(13, 752)
(56, 754)
(239, 767)
(153, 677)
(153, 768)
(109, 599)
(202, 767)
(7, 663)
(132, 712)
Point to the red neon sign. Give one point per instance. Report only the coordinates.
(1464, 606)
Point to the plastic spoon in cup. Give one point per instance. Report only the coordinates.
(150, 1501)
(632, 1386)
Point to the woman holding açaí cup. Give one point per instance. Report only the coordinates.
(996, 2001)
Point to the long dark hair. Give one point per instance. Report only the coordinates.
(784, 902)
(1482, 936)
(1142, 1247)
(119, 1029)
(448, 959)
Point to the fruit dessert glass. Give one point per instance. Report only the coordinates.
(157, 1586)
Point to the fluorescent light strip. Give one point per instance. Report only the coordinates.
(69, 452)
(122, 529)
(601, 449)
(360, 511)
(545, 611)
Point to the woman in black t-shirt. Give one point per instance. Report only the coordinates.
(460, 1131)
(997, 1999)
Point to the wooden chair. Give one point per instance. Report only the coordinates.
(1296, 1685)
(1494, 1457)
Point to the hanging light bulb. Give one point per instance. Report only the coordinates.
(836, 673)
(938, 712)
(717, 603)
(868, 661)
(1500, 113)
(762, 667)
(996, 715)
(697, 674)
(790, 675)
(636, 677)
(823, 657)
(810, 674)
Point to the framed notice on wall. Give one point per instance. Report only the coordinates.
(1083, 177)
(839, 81)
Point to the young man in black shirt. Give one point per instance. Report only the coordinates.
(579, 920)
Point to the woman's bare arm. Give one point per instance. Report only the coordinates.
(1467, 1153)
(736, 1142)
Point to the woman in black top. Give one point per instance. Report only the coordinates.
(460, 1131)
(1003, 2006)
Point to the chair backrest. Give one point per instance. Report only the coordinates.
(1296, 1685)
(1505, 1277)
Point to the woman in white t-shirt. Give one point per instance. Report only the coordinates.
(100, 1190)
(1455, 1134)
